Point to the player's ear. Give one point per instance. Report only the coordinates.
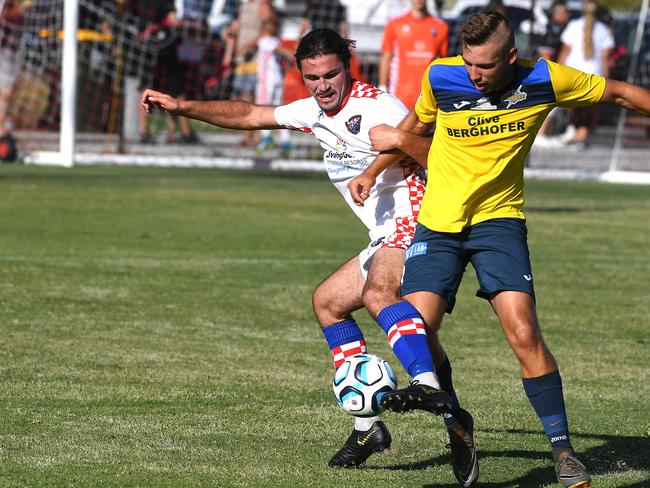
(513, 53)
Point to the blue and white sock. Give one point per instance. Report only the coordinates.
(407, 336)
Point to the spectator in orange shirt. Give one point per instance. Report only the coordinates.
(410, 43)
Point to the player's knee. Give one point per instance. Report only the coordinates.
(324, 307)
(376, 298)
(319, 300)
(526, 337)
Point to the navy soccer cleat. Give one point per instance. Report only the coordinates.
(464, 461)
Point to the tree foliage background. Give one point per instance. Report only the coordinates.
(627, 5)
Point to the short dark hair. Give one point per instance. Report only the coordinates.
(481, 26)
(324, 41)
(495, 4)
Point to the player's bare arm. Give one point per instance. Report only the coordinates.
(384, 69)
(386, 138)
(626, 95)
(360, 186)
(230, 114)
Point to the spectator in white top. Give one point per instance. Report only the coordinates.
(587, 44)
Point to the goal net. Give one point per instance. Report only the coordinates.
(122, 48)
(109, 53)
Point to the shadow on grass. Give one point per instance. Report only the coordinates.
(615, 454)
(567, 210)
(536, 477)
(553, 210)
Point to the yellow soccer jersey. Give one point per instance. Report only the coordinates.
(476, 160)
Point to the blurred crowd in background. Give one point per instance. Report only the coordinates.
(243, 49)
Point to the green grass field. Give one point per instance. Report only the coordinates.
(156, 330)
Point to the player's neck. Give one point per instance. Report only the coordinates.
(509, 79)
(420, 14)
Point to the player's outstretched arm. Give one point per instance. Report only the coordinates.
(152, 99)
(230, 114)
(626, 95)
(360, 185)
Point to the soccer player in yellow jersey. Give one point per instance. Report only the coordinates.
(487, 106)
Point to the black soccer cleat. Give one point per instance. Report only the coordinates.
(417, 396)
(360, 445)
(464, 461)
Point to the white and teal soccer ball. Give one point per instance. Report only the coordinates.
(360, 382)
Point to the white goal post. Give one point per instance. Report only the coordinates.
(69, 85)
(65, 155)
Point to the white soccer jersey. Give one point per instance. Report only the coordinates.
(395, 199)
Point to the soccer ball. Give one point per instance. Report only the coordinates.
(360, 382)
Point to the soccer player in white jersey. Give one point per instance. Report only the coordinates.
(339, 114)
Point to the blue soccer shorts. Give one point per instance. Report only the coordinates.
(497, 249)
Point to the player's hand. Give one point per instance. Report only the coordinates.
(360, 187)
(154, 99)
(383, 137)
